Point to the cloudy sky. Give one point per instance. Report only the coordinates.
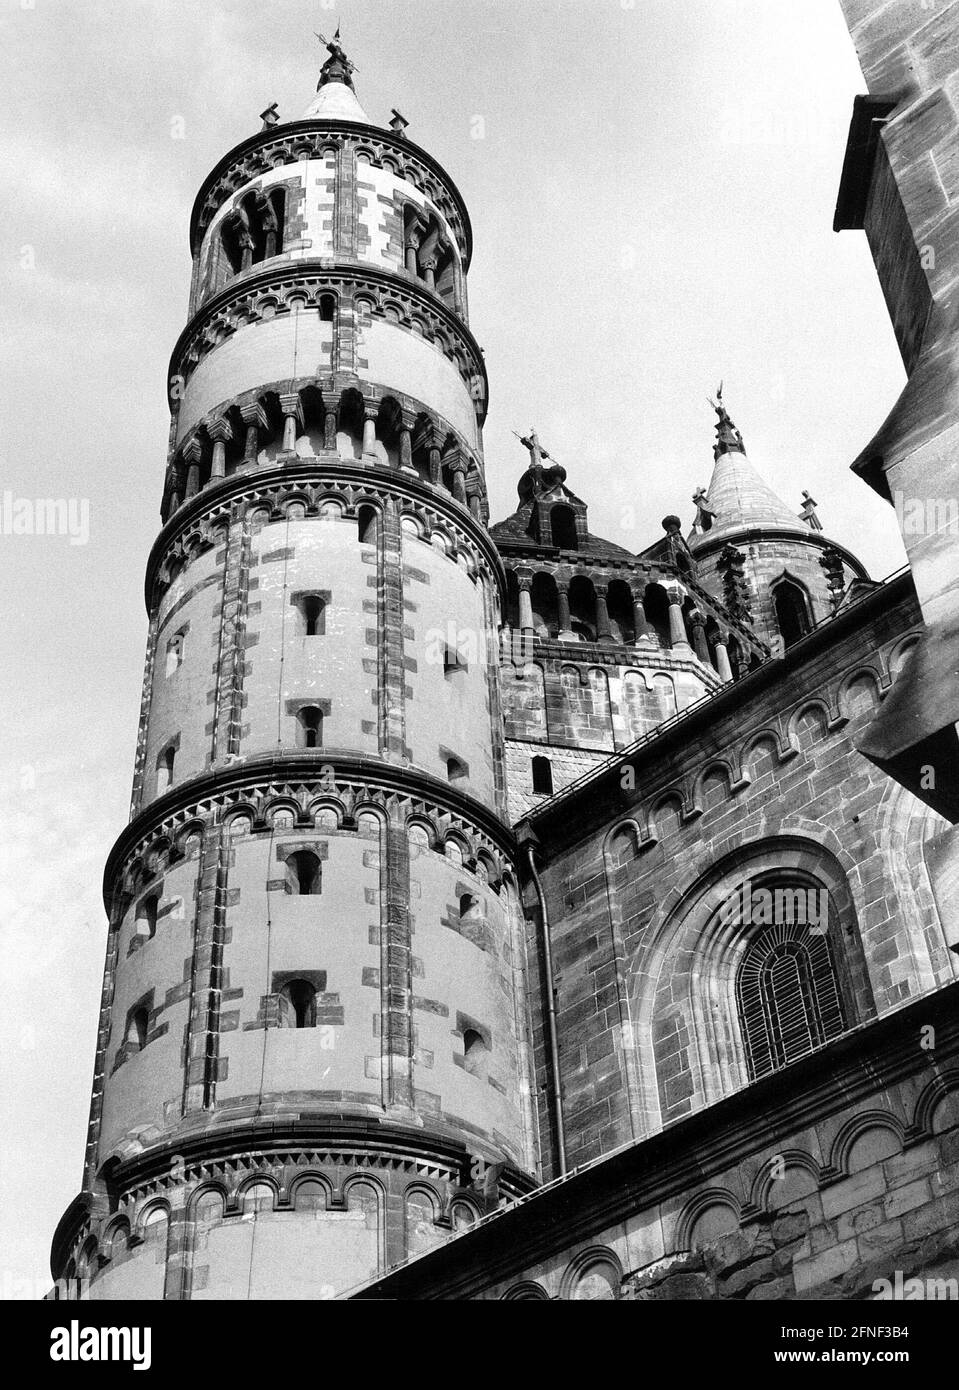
(651, 186)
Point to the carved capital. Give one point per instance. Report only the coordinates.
(253, 414)
(218, 429)
(292, 405)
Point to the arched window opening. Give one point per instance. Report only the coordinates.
(327, 308)
(787, 993)
(366, 525)
(165, 764)
(734, 652)
(444, 275)
(309, 722)
(146, 919)
(475, 1052)
(542, 776)
(792, 611)
(545, 602)
(299, 996)
(512, 599)
(138, 1025)
(259, 1196)
(427, 254)
(462, 1216)
(154, 1225)
(562, 525)
(656, 608)
(253, 232)
(304, 874)
(174, 651)
(619, 605)
(582, 608)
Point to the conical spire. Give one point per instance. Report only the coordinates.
(335, 98)
(737, 497)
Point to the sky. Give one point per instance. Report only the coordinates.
(651, 187)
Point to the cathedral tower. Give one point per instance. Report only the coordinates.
(312, 1056)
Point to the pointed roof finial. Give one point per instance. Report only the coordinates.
(337, 67)
(335, 98)
(728, 437)
(808, 513)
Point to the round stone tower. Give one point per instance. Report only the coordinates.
(312, 1056)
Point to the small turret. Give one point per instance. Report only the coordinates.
(786, 570)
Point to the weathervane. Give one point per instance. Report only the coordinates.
(335, 50)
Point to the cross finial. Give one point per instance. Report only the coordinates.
(536, 451)
(808, 513)
(337, 67)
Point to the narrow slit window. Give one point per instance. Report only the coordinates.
(310, 727)
(313, 611)
(146, 919)
(138, 1023)
(165, 765)
(174, 652)
(542, 776)
(453, 663)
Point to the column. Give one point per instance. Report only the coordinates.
(412, 246)
(473, 503)
(677, 628)
(436, 467)
(406, 444)
(429, 273)
(603, 631)
(458, 467)
(566, 633)
(722, 658)
(639, 615)
(176, 490)
(254, 418)
(700, 645)
(370, 413)
(524, 579)
(292, 417)
(331, 405)
(192, 454)
(219, 431)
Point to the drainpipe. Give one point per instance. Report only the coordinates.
(527, 837)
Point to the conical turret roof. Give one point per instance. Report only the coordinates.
(737, 497)
(335, 98)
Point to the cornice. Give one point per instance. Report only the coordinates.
(304, 766)
(403, 148)
(323, 269)
(250, 484)
(269, 1136)
(705, 545)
